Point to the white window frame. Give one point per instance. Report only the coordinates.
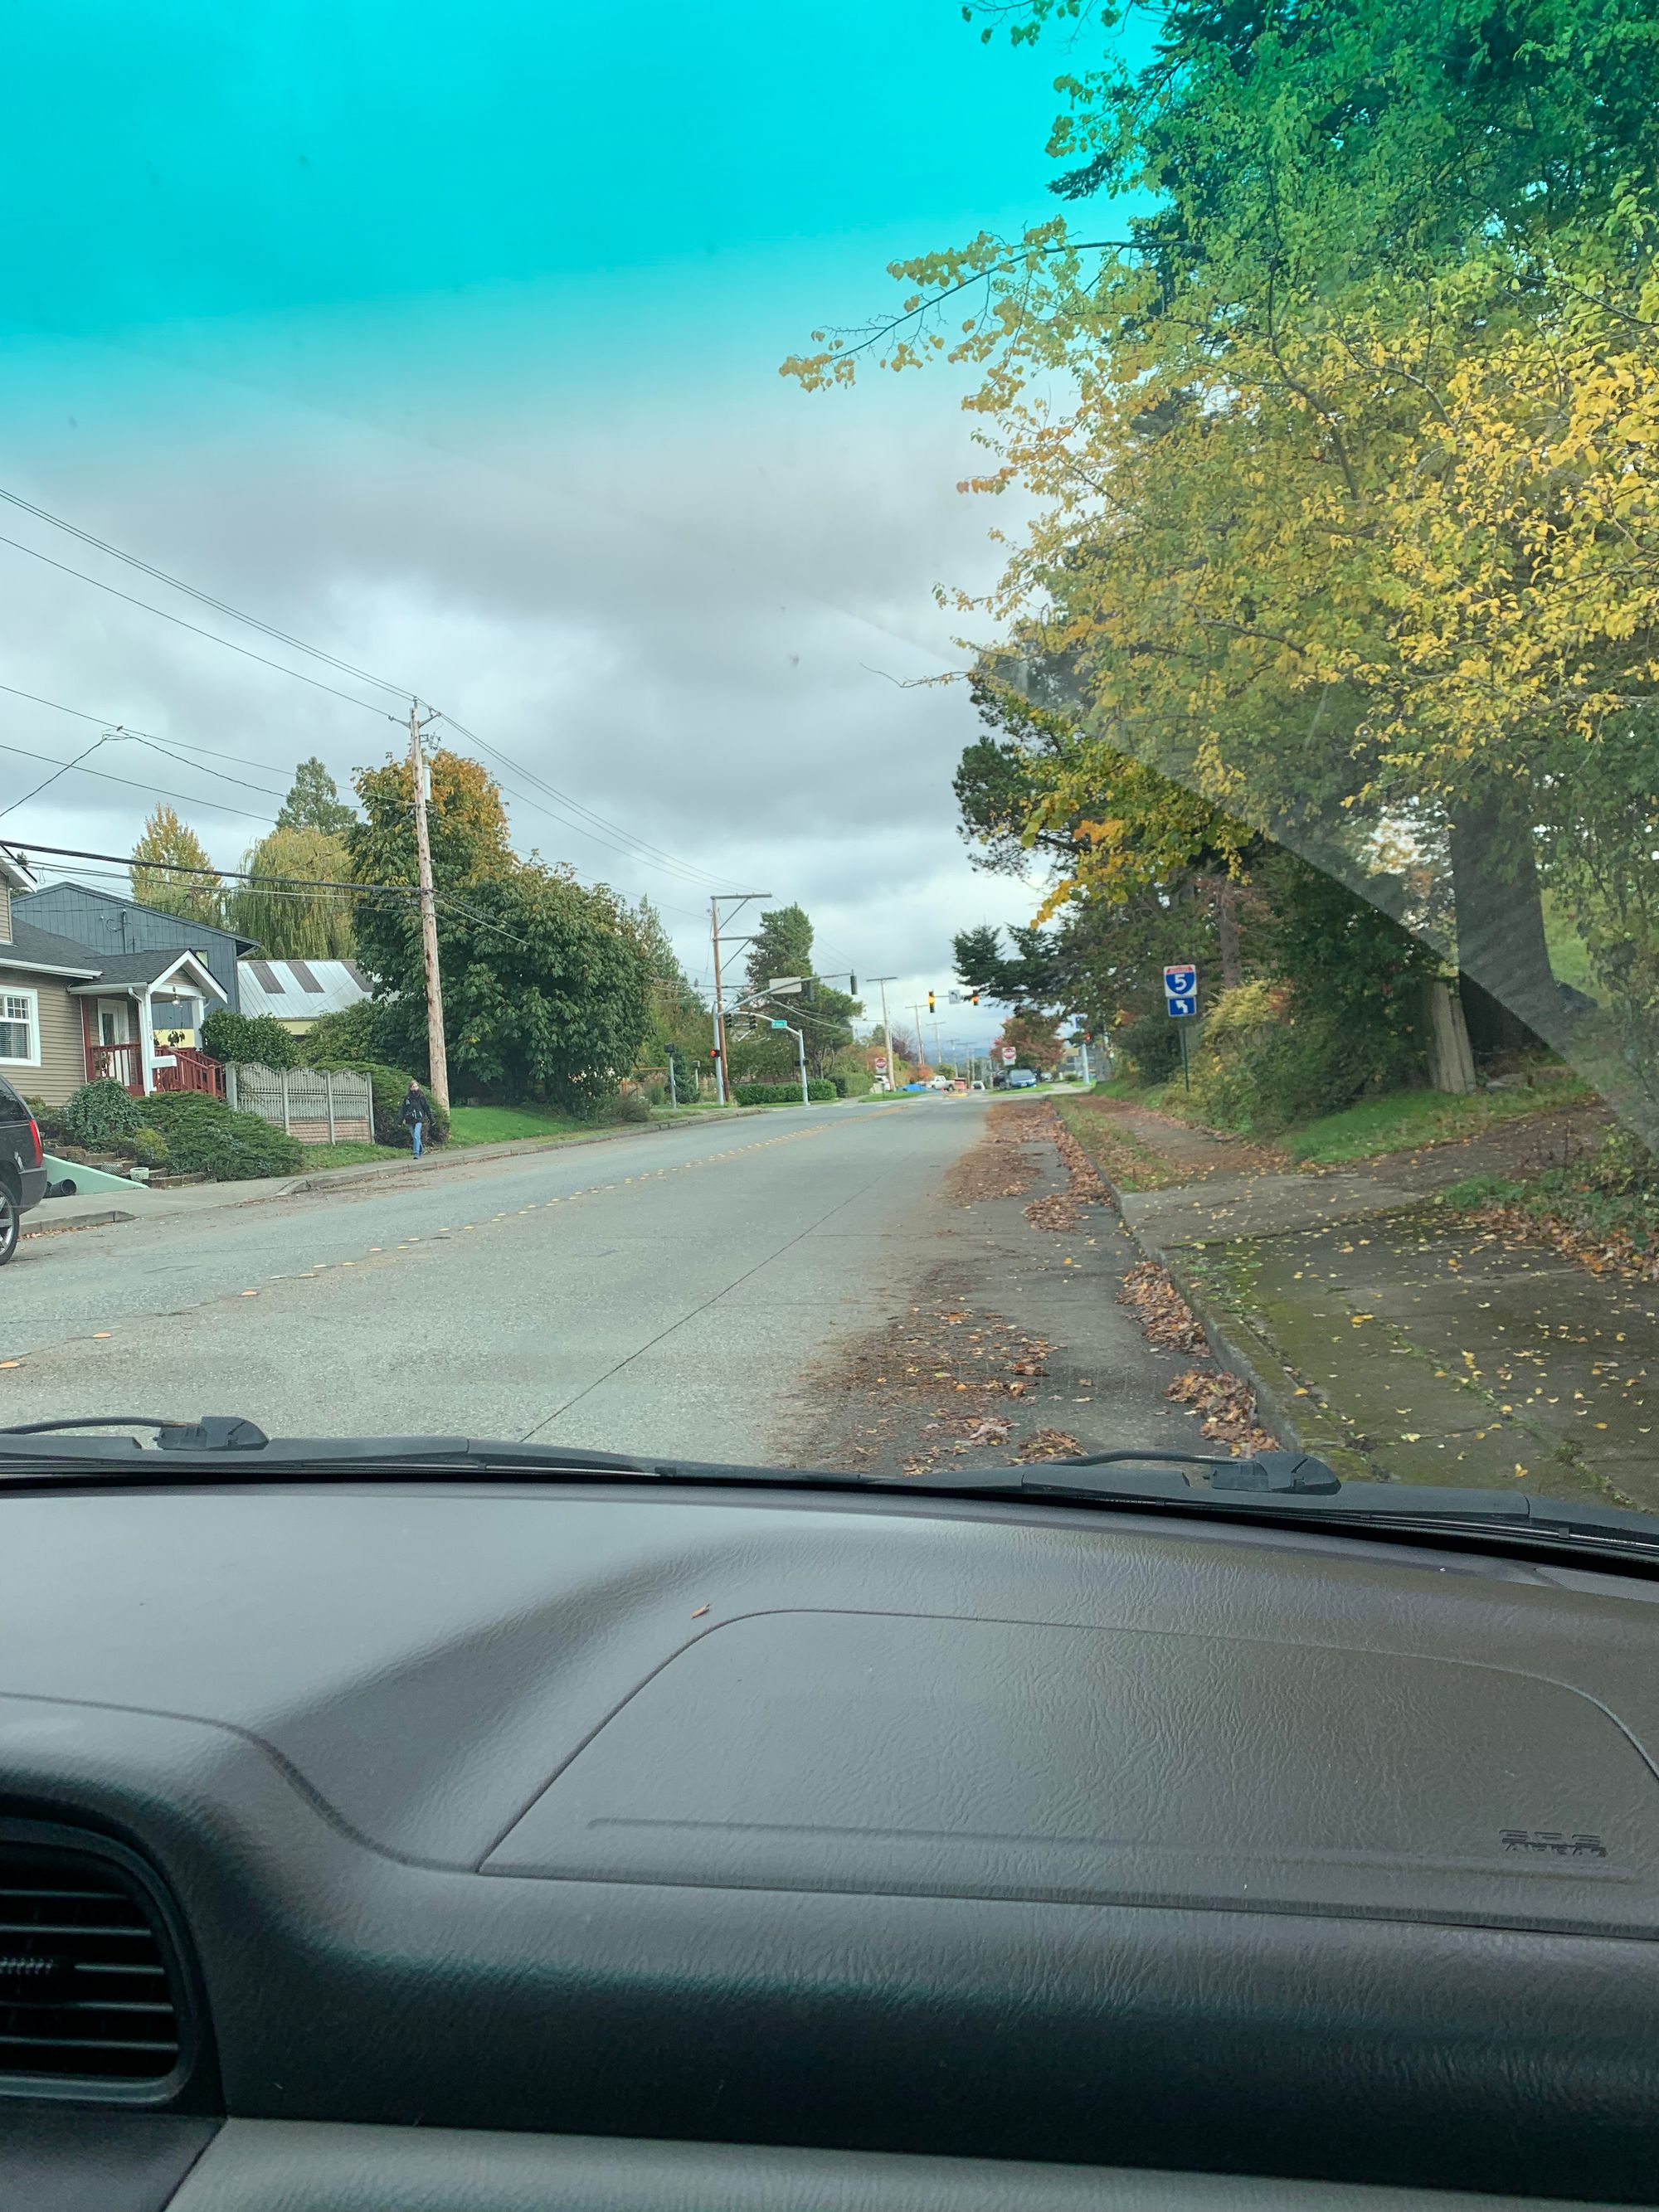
(8, 992)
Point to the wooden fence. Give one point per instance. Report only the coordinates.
(317, 1105)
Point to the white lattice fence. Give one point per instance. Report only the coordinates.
(317, 1105)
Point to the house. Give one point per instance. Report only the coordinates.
(297, 993)
(69, 1014)
(104, 922)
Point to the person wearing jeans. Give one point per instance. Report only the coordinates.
(416, 1113)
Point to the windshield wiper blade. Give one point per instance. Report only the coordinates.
(1264, 1486)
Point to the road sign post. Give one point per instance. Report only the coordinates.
(799, 1036)
(1181, 998)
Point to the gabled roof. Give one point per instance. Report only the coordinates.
(40, 951)
(126, 971)
(137, 905)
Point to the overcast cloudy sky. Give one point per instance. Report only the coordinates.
(447, 340)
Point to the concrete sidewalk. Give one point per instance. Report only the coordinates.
(1407, 1344)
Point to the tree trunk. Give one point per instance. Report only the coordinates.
(1500, 912)
(1227, 934)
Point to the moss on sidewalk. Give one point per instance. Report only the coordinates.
(1443, 1353)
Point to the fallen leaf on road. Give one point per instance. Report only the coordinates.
(1049, 1443)
(1226, 1406)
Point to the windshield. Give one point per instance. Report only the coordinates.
(909, 738)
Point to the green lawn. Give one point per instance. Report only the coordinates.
(1402, 1119)
(501, 1125)
(318, 1157)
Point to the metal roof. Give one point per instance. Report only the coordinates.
(300, 990)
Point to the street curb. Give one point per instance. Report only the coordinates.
(1243, 1350)
(462, 1156)
(68, 1228)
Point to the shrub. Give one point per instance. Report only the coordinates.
(356, 1034)
(389, 1086)
(101, 1112)
(1152, 1046)
(149, 1148)
(633, 1106)
(783, 1094)
(49, 1120)
(203, 1136)
(1267, 1059)
(248, 1040)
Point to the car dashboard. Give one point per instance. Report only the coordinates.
(482, 1844)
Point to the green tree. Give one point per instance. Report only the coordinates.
(547, 994)
(547, 986)
(679, 1029)
(1346, 517)
(824, 1014)
(782, 946)
(285, 921)
(165, 838)
(313, 802)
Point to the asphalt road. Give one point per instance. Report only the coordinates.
(660, 1293)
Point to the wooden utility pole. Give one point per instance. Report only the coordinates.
(437, 1058)
(887, 1029)
(720, 1010)
(734, 899)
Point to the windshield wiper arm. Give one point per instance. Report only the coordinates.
(1266, 1486)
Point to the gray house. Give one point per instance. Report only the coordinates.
(107, 923)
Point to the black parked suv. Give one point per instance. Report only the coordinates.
(23, 1169)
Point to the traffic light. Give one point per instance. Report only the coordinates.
(973, 998)
(930, 1002)
(852, 986)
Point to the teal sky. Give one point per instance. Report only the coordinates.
(448, 337)
(186, 160)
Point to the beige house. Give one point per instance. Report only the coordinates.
(68, 1014)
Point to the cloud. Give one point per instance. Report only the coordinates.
(709, 623)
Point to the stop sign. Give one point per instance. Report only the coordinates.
(881, 1063)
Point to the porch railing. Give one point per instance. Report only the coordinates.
(117, 1063)
(192, 1071)
(124, 1064)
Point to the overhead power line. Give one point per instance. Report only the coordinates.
(632, 847)
(213, 636)
(149, 790)
(189, 868)
(206, 598)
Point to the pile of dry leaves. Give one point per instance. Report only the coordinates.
(1603, 1251)
(943, 1382)
(1225, 1405)
(1161, 1310)
(1000, 1165)
(1063, 1210)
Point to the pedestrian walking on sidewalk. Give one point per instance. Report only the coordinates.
(417, 1112)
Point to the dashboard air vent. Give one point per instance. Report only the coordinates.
(85, 1992)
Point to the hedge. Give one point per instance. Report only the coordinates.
(783, 1094)
(205, 1137)
(248, 1040)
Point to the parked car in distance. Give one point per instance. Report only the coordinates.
(22, 1168)
(1021, 1078)
(977, 1084)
